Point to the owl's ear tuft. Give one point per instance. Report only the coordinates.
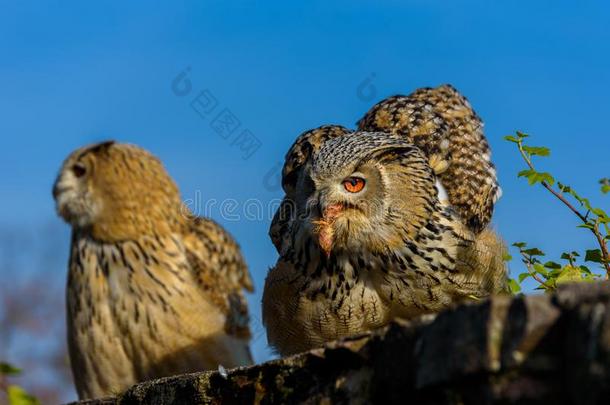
(102, 146)
(94, 149)
(293, 166)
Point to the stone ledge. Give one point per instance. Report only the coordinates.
(530, 349)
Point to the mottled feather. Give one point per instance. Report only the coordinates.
(442, 123)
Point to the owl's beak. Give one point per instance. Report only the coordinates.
(325, 227)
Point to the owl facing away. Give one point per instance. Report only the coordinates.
(366, 233)
(152, 289)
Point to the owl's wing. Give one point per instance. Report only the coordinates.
(299, 154)
(482, 264)
(441, 122)
(221, 271)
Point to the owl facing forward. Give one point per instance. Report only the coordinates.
(364, 238)
(152, 290)
(443, 125)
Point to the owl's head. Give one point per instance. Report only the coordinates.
(117, 191)
(365, 190)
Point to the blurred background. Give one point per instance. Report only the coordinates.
(73, 73)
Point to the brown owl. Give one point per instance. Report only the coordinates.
(152, 289)
(371, 229)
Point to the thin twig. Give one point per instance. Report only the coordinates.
(528, 264)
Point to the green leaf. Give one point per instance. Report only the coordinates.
(511, 139)
(523, 276)
(594, 255)
(522, 135)
(520, 244)
(541, 270)
(8, 369)
(605, 182)
(552, 265)
(533, 252)
(514, 286)
(542, 178)
(507, 257)
(537, 150)
(567, 189)
(18, 396)
(534, 177)
(569, 274)
(585, 270)
(526, 173)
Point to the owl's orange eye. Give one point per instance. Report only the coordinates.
(354, 184)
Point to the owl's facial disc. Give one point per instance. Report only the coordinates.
(344, 205)
(73, 200)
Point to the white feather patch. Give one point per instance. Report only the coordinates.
(442, 194)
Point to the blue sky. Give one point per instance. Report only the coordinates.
(77, 72)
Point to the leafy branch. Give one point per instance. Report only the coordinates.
(549, 274)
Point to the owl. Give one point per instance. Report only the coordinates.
(369, 231)
(152, 289)
(441, 122)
